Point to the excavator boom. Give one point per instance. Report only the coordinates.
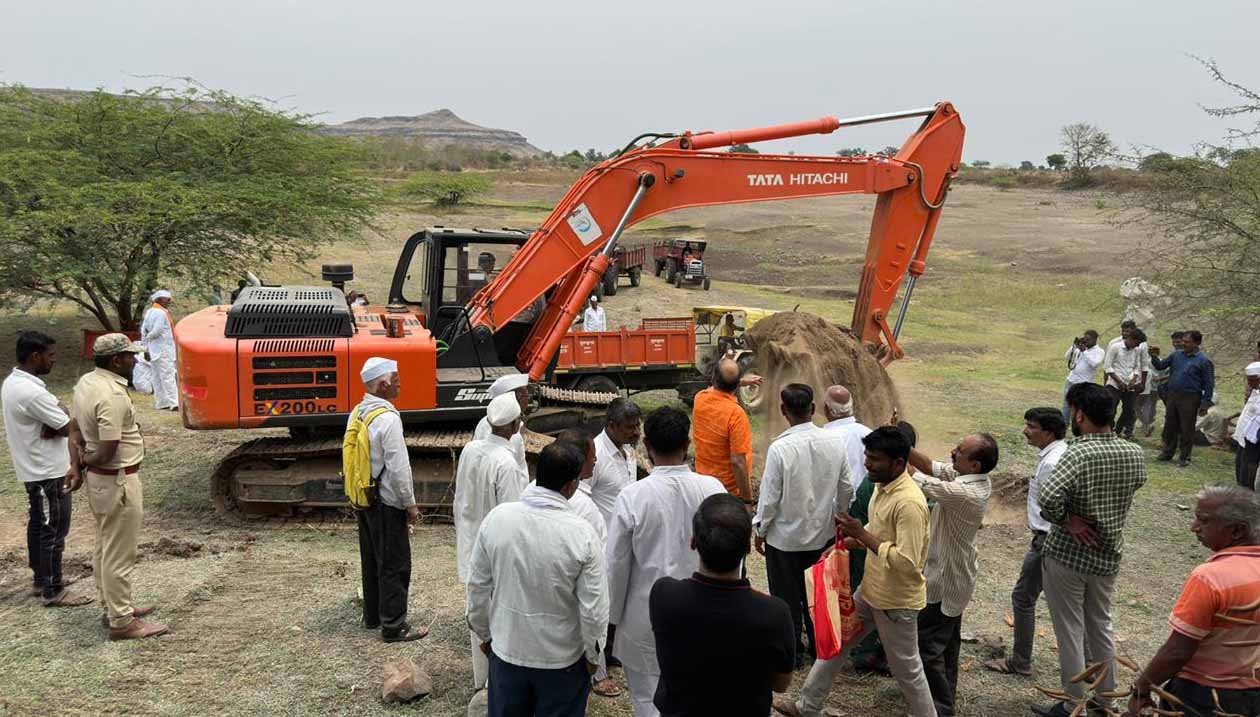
(571, 248)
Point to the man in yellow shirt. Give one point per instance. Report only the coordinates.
(893, 590)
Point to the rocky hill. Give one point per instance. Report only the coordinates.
(438, 129)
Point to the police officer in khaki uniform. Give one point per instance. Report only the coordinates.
(107, 450)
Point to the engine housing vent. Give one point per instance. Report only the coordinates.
(289, 312)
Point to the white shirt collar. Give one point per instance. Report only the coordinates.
(672, 470)
(607, 444)
(29, 376)
(536, 496)
(1053, 444)
(841, 422)
(798, 428)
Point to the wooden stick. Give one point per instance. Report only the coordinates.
(1087, 673)
(1165, 695)
(1241, 643)
(1245, 608)
(1102, 675)
(1057, 694)
(1127, 662)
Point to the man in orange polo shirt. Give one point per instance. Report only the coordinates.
(722, 433)
(1213, 651)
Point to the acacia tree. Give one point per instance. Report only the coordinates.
(1086, 147)
(1056, 162)
(1204, 211)
(105, 197)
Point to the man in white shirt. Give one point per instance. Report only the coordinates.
(537, 596)
(839, 409)
(1044, 430)
(158, 336)
(616, 455)
(960, 490)
(384, 536)
(650, 538)
(516, 384)
(585, 508)
(593, 318)
(487, 475)
(37, 428)
(804, 486)
(1247, 431)
(1083, 357)
(1125, 367)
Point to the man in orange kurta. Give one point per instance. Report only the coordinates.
(722, 433)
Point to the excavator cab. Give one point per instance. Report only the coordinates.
(439, 271)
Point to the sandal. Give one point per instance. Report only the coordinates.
(606, 688)
(1003, 666)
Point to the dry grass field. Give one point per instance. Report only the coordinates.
(263, 620)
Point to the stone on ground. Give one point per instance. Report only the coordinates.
(404, 681)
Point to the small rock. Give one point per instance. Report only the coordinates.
(970, 638)
(295, 628)
(479, 705)
(1182, 507)
(404, 681)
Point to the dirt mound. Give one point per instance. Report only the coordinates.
(798, 347)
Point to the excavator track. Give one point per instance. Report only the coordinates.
(578, 398)
(282, 479)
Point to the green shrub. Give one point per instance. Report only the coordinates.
(445, 189)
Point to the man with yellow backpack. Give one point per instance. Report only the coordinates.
(377, 476)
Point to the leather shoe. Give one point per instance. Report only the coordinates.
(1058, 709)
(135, 612)
(137, 629)
(406, 633)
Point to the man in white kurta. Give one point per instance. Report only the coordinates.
(516, 384)
(650, 538)
(593, 319)
(157, 333)
(616, 456)
(487, 475)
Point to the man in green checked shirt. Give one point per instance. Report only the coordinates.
(1086, 500)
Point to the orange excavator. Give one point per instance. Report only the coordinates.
(290, 356)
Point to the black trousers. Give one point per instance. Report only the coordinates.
(385, 558)
(940, 640)
(517, 691)
(1182, 411)
(1246, 459)
(1200, 703)
(1127, 401)
(46, 530)
(785, 572)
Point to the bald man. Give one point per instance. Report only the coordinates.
(722, 433)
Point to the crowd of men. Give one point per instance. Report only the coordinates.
(591, 567)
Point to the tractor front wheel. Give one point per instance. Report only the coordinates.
(634, 276)
(706, 283)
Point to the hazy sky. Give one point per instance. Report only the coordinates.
(569, 73)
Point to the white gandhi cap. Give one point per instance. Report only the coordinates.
(1253, 368)
(377, 367)
(508, 384)
(503, 410)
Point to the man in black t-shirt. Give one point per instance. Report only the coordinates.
(722, 646)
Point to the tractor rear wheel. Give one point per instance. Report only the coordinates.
(706, 283)
(634, 276)
(670, 270)
(678, 280)
(660, 266)
(598, 384)
(610, 281)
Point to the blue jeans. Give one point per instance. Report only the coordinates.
(525, 691)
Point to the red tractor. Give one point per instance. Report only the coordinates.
(626, 261)
(682, 260)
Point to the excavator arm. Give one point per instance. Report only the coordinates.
(573, 246)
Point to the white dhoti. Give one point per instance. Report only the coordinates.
(142, 376)
(165, 391)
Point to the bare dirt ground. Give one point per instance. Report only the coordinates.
(264, 621)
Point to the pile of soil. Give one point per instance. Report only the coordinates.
(798, 347)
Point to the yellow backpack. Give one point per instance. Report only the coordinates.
(356, 457)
